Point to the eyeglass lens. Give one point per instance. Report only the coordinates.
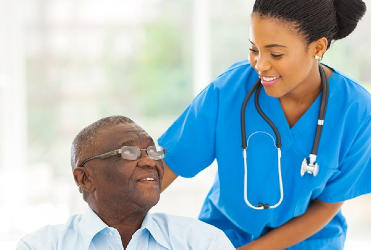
(133, 153)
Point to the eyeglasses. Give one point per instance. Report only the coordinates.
(131, 153)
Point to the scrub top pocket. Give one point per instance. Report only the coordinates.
(312, 186)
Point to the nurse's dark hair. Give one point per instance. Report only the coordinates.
(88, 138)
(333, 19)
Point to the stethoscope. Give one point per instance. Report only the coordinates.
(309, 165)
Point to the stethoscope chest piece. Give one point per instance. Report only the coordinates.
(310, 167)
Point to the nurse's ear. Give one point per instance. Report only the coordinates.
(318, 48)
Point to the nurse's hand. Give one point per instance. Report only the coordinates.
(169, 176)
(317, 216)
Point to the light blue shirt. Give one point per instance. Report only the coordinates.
(210, 129)
(158, 232)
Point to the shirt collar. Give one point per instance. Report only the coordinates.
(90, 224)
(155, 230)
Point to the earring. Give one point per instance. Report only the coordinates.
(317, 57)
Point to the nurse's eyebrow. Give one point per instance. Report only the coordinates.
(270, 45)
(274, 45)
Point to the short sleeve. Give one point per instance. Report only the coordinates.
(190, 140)
(355, 170)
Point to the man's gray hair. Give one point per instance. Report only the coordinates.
(87, 138)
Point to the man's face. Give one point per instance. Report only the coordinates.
(123, 183)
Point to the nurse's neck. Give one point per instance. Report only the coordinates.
(295, 103)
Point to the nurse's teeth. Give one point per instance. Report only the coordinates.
(268, 79)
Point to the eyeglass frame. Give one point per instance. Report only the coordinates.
(119, 152)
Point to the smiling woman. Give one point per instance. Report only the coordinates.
(288, 39)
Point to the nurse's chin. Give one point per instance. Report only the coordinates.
(274, 92)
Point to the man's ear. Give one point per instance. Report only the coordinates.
(83, 179)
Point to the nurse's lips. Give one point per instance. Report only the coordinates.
(269, 81)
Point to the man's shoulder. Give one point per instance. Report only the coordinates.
(49, 236)
(49, 231)
(191, 232)
(176, 219)
(182, 224)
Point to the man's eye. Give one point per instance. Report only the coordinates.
(151, 151)
(126, 152)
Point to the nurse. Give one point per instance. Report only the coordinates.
(287, 40)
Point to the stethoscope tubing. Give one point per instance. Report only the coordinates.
(244, 154)
(265, 117)
(322, 111)
(243, 128)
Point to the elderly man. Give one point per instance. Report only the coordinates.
(119, 171)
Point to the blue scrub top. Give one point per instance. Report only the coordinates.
(210, 129)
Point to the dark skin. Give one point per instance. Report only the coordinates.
(278, 51)
(116, 189)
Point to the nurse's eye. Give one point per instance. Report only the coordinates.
(254, 51)
(276, 55)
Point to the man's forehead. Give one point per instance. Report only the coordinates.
(132, 138)
(126, 133)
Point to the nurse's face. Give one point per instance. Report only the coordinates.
(280, 55)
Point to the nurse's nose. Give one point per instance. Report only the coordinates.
(261, 64)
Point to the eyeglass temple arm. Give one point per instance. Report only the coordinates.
(102, 156)
(109, 154)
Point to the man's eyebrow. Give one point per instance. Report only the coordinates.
(149, 140)
(270, 45)
(131, 142)
(128, 143)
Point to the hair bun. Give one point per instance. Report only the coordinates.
(348, 14)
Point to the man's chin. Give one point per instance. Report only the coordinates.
(154, 199)
(150, 199)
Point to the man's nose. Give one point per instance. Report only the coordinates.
(145, 160)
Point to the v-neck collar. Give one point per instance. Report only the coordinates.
(307, 122)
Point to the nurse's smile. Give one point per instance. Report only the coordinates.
(269, 81)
